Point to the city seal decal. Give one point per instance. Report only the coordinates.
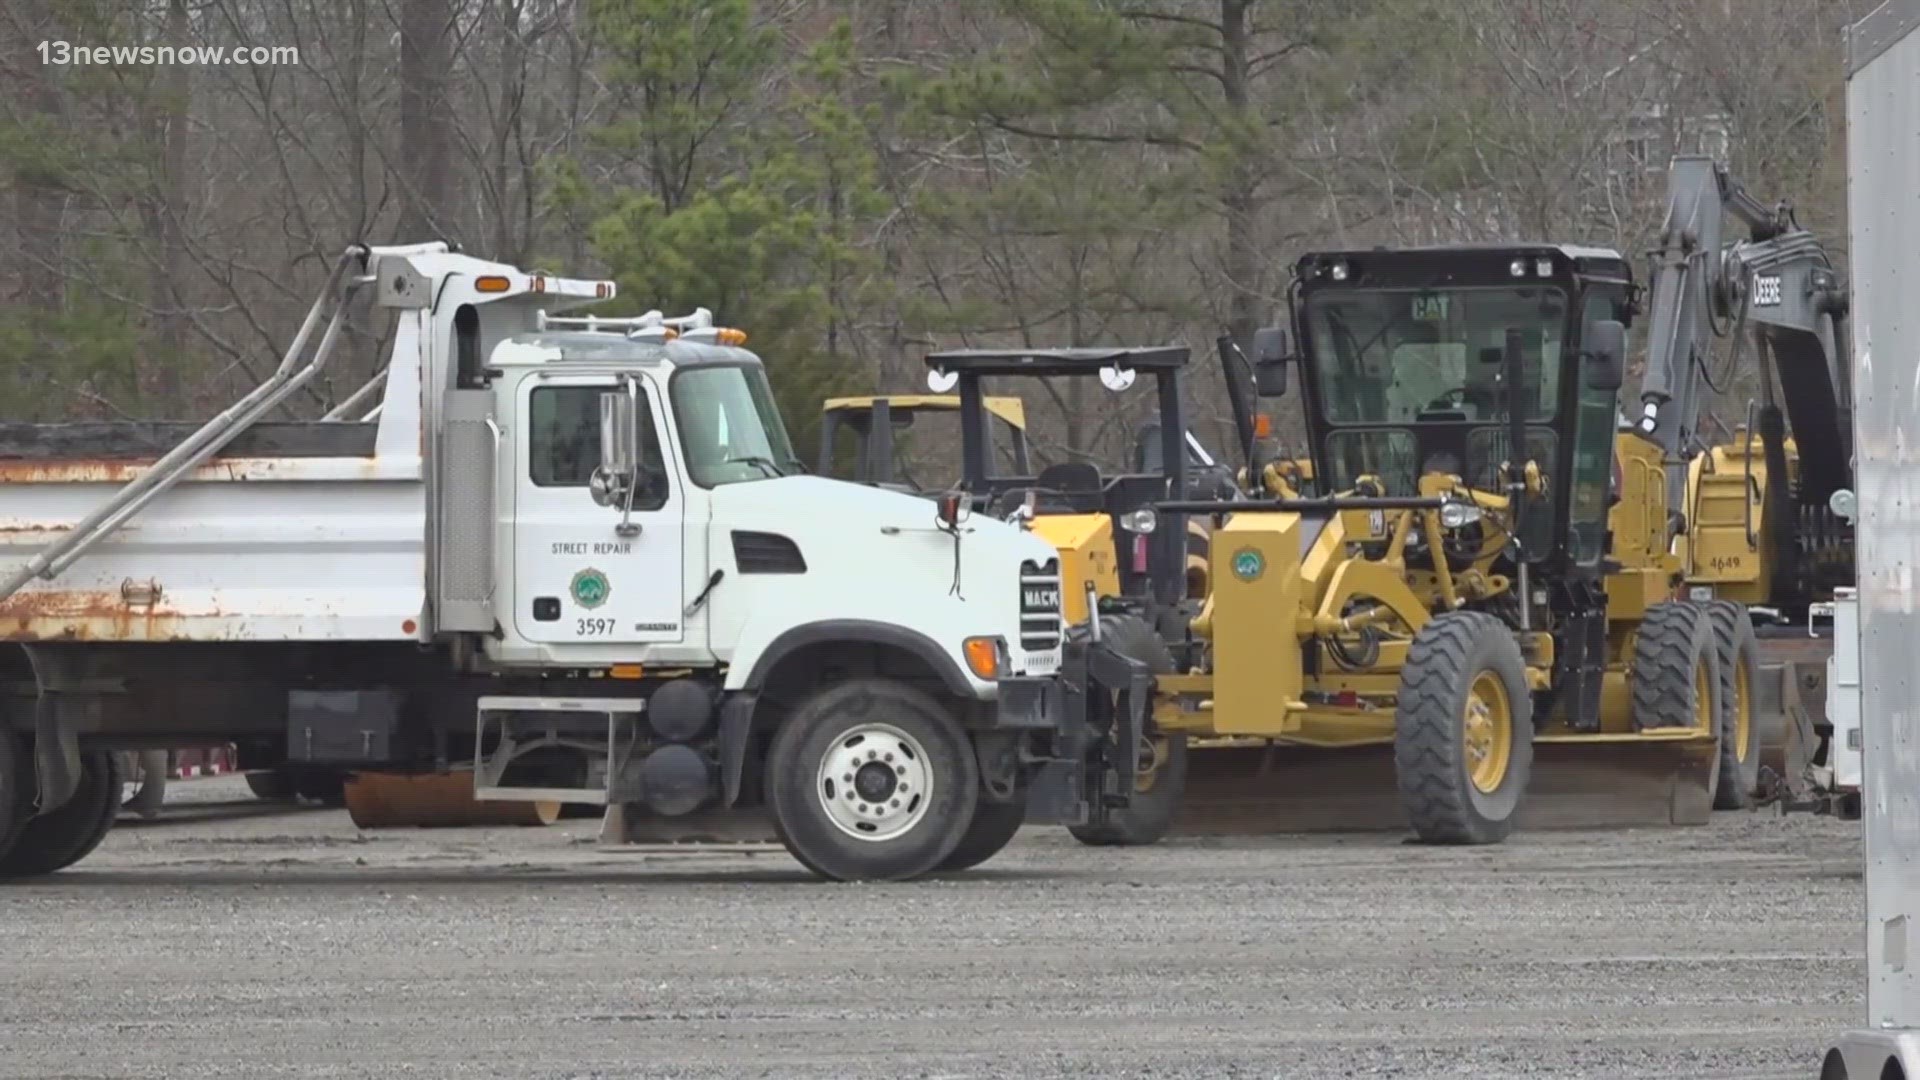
(590, 588)
(1248, 564)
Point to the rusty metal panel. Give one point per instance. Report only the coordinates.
(316, 549)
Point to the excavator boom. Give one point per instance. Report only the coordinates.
(1780, 284)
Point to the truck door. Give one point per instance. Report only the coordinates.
(576, 579)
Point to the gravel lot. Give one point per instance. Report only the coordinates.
(286, 943)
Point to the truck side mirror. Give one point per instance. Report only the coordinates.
(619, 444)
(1272, 352)
(1605, 356)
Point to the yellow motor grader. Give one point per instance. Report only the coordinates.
(1462, 637)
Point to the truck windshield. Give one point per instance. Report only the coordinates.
(1387, 356)
(729, 425)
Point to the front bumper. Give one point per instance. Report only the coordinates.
(1032, 703)
(1096, 711)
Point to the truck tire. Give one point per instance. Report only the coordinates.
(1463, 730)
(1150, 811)
(56, 840)
(994, 826)
(1738, 655)
(871, 780)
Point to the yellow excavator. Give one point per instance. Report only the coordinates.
(1759, 517)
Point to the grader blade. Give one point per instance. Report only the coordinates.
(434, 800)
(1256, 790)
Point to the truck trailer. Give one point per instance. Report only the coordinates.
(1883, 211)
(534, 539)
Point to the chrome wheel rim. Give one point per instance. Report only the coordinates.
(874, 782)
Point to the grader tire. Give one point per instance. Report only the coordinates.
(1463, 740)
(1737, 652)
(58, 839)
(1150, 811)
(1676, 674)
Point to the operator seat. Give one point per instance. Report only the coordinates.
(1076, 484)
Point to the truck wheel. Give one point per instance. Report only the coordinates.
(1162, 780)
(993, 828)
(871, 779)
(1463, 730)
(56, 840)
(1738, 656)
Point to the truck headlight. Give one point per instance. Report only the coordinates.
(1454, 515)
(1140, 521)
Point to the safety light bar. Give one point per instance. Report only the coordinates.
(652, 326)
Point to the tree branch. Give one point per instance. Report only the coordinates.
(1150, 138)
(1169, 17)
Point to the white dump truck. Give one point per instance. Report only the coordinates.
(1875, 652)
(583, 538)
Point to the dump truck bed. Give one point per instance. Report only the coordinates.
(293, 532)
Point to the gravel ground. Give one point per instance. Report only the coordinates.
(286, 943)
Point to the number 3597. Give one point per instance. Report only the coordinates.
(592, 627)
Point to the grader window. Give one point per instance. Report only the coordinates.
(1383, 453)
(1392, 355)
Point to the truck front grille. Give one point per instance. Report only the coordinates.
(1040, 623)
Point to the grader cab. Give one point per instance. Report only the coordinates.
(1462, 637)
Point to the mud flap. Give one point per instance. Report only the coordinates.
(1252, 791)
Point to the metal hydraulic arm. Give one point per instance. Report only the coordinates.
(1780, 281)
